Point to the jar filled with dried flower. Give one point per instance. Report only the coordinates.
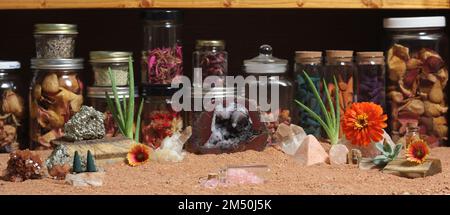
(102, 61)
(96, 98)
(55, 40)
(210, 58)
(12, 111)
(162, 58)
(417, 57)
(56, 94)
(370, 86)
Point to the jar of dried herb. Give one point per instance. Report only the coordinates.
(55, 40)
(162, 57)
(12, 106)
(56, 94)
(102, 61)
(417, 59)
(339, 64)
(370, 86)
(159, 120)
(269, 72)
(96, 97)
(311, 63)
(210, 58)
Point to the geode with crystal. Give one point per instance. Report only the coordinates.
(228, 128)
(87, 124)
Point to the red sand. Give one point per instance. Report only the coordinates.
(285, 177)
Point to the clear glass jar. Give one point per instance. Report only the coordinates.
(268, 72)
(210, 58)
(12, 107)
(162, 57)
(371, 82)
(56, 94)
(339, 64)
(101, 61)
(311, 63)
(55, 40)
(159, 120)
(417, 57)
(412, 134)
(96, 97)
(227, 123)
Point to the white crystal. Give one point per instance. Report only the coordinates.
(171, 148)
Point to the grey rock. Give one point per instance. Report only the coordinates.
(87, 124)
(61, 156)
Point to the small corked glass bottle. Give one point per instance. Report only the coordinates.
(370, 86)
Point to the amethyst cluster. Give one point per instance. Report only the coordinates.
(371, 84)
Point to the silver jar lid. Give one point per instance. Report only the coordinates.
(9, 65)
(99, 92)
(62, 63)
(51, 28)
(109, 56)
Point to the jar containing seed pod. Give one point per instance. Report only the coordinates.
(102, 61)
(339, 65)
(159, 120)
(162, 57)
(56, 94)
(370, 86)
(417, 57)
(55, 40)
(265, 74)
(96, 97)
(211, 59)
(12, 111)
(309, 62)
(224, 121)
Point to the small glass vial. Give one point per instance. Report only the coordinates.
(12, 107)
(370, 86)
(210, 58)
(339, 64)
(159, 120)
(55, 40)
(56, 94)
(96, 98)
(162, 57)
(412, 134)
(311, 63)
(101, 61)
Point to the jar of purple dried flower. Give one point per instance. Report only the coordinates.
(162, 58)
(210, 58)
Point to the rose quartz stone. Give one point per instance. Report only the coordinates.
(311, 152)
(338, 154)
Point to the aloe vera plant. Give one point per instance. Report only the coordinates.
(388, 153)
(123, 112)
(331, 121)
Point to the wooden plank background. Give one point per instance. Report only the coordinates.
(388, 4)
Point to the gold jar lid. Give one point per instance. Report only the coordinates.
(209, 43)
(55, 29)
(110, 56)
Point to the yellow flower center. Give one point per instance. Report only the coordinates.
(361, 121)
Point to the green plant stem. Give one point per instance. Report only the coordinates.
(130, 117)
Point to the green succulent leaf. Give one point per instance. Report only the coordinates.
(387, 148)
(379, 146)
(397, 150)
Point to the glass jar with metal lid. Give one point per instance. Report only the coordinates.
(162, 57)
(309, 62)
(12, 106)
(264, 74)
(56, 94)
(417, 79)
(370, 85)
(210, 58)
(55, 40)
(159, 120)
(101, 61)
(224, 121)
(96, 98)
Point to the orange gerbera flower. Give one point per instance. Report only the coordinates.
(417, 151)
(139, 154)
(364, 122)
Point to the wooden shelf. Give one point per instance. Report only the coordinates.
(93, 4)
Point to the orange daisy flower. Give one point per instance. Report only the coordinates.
(363, 122)
(417, 151)
(138, 154)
